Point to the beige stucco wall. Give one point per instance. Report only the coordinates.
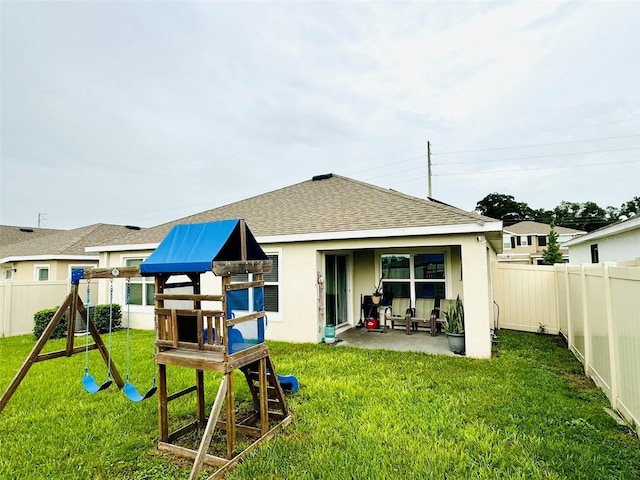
(301, 318)
(25, 271)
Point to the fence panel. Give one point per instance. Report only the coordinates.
(596, 314)
(625, 300)
(576, 312)
(563, 292)
(23, 299)
(526, 295)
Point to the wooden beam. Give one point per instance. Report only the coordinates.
(63, 353)
(220, 473)
(208, 432)
(188, 296)
(122, 272)
(31, 359)
(225, 268)
(210, 460)
(245, 318)
(243, 285)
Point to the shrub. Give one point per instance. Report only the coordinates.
(42, 318)
(99, 316)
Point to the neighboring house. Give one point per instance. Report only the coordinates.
(13, 234)
(51, 256)
(617, 242)
(524, 242)
(331, 238)
(36, 271)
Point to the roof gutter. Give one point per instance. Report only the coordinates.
(36, 258)
(475, 227)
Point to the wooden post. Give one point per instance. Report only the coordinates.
(31, 359)
(208, 433)
(264, 400)
(163, 423)
(231, 416)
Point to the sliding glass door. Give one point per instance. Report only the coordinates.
(336, 289)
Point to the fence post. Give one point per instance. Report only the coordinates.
(5, 324)
(585, 320)
(611, 333)
(567, 301)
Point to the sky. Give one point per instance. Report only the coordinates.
(143, 112)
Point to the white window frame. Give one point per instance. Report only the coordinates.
(147, 304)
(272, 316)
(524, 242)
(38, 268)
(412, 280)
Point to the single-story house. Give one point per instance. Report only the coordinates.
(331, 240)
(617, 242)
(524, 242)
(44, 255)
(36, 264)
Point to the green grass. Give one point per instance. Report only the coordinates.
(528, 413)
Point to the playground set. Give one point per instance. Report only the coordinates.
(221, 333)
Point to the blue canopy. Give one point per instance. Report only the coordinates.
(192, 248)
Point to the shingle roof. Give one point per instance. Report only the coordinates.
(537, 228)
(330, 203)
(66, 242)
(13, 234)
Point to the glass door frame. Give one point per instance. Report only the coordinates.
(347, 304)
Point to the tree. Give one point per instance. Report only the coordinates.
(552, 253)
(630, 208)
(586, 216)
(504, 207)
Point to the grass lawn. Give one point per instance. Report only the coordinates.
(528, 413)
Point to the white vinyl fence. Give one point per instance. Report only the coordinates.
(20, 300)
(596, 307)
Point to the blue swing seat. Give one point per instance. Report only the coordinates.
(90, 385)
(132, 392)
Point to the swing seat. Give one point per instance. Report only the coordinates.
(90, 385)
(132, 392)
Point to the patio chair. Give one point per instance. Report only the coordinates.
(399, 311)
(424, 315)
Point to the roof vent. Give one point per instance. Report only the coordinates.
(27, 230)
(322, 177)
(132, 227)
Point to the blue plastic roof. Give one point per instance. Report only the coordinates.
(194, 247)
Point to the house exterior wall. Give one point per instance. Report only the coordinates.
(612, 248)
(25, 270)
(301, 315)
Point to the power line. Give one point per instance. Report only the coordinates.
(538, 168)
(535, 145)
(540, 156)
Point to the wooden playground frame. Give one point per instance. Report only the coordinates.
(210, 350)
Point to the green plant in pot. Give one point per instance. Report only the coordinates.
(377, 293)
(454, 326)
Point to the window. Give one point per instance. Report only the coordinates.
(506, 241)
(8, 273)
(42, 273)
(271, 288)
(523, 240)
(142, 288)
(542, 240)
(595, 258)
(419, 275)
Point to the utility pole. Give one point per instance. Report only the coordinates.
(429, 168)
(41, 219)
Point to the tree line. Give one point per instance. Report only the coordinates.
(587, 216)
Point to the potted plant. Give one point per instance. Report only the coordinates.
(377, 293)
(454, 326)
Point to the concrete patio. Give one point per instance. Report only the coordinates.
(395, 339)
